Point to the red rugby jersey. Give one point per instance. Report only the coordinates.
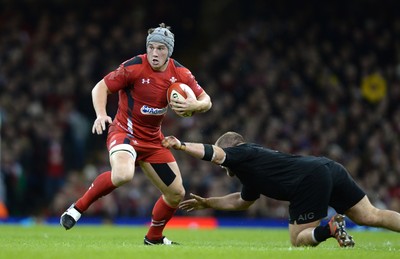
(142, 92)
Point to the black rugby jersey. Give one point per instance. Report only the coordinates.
(269, 172)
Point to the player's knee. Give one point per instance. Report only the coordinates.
(294, 240)
(122, 158)
(121, 178)
(122, 173)
(175, 196)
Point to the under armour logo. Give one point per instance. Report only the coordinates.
(146, 81)
(173, 79)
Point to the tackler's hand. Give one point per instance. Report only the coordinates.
(171, 142)
(196, 203)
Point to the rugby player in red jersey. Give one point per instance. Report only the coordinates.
(134, 136)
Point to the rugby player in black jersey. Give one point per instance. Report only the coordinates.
(309, 183)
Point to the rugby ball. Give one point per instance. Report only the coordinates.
(180, 91)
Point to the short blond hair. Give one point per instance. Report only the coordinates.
(229, 139)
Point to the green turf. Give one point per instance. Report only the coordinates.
(41, 241)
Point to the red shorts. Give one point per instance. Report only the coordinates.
(151, 152)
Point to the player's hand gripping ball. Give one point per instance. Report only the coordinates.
(180, 91)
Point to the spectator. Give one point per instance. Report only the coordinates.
(297, 73)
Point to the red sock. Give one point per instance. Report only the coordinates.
(100, 187)
(162, 213)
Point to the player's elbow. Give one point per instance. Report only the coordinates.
(205, 101)
(209, 105)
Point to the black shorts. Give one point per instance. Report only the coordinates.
(328, 185)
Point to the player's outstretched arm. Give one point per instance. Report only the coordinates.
(198, 150)
(231, 201)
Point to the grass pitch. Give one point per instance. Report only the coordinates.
(105, 241)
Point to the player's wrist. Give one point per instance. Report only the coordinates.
(206, 203)
(183, 146)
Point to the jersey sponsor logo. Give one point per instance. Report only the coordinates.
(152, 111)
(145, 81)
(305, 216)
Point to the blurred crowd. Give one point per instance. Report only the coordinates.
(314, 80)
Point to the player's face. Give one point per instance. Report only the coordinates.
(157, 55)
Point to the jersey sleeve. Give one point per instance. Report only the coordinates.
(117, 79)
(125, 74)
(188, 78)
(236, 155)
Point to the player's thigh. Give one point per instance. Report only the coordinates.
(122, 153)
(122, 161)
(362, 212)
(346, 193)
(312, 197)
(165, 176)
